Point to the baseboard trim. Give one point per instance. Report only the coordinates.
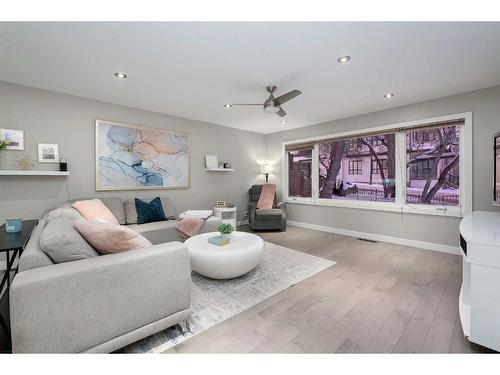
(379, 237)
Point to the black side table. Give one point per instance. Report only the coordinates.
(12, 244)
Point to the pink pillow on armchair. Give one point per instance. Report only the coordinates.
(94, 209)
(266, 198)
(110, 238)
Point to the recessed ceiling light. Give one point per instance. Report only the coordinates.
(228, 105)
(120, 75)
(389, 95)
(284, 121)
(344, 59)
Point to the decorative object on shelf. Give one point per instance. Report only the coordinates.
(221, 164)
(48, 153)
(266, 169)
(15, 137)
(219, 240)
(220, 204)
(25, 163)
(13, 225)
(230, 205)
(211, 161)
(63, 165)
(225, 230)
(227, 165)
(130, 157)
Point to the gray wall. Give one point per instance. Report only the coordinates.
(49, 117)
(485, 107)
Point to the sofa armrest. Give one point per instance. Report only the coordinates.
(71, 307)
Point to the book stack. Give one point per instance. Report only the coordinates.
(218, 240)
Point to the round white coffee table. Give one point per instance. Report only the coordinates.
(237, 258)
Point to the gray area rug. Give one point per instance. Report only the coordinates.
(214, 301)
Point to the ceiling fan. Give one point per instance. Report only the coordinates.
(272, 104)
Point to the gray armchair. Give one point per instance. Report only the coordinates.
(264, 219)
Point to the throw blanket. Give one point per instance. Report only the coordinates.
(266, 198)
(189, 227)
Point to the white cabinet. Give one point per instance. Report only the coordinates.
(479, 301)
(227, 214)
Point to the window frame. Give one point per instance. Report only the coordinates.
(400, 205)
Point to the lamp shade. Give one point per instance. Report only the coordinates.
(267, 168)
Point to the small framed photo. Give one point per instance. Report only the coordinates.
(220, 204)
(15, 137)
(48, 153)
(211, 161)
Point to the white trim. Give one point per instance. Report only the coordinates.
(465, 165)
(379, 237)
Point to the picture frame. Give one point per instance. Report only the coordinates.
(211, 161)
(133, 157)
(48, 153)
(220, 204)
(15, 137)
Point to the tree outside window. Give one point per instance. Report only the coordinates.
(433, 166)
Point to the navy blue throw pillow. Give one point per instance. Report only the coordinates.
(149, 212)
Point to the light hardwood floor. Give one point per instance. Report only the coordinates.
(378, 298)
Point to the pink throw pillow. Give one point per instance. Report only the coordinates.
(94, 209)
(266, 198)
(109, 238)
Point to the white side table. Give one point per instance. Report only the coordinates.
(226, 214)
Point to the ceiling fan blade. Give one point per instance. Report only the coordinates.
(281, 112)
(245, 104)
(288, 96)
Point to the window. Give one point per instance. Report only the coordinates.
(345, 173)
(422, 169)
(355, 166)
(419, 167)
(433, 157)
(299, 173)
(375, 166)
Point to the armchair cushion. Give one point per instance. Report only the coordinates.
(269, 214)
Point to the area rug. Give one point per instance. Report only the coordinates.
(213, 301)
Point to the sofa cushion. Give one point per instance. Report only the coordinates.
(268, 214)
(33, 256)
(62, 243)
(149, 212)
(69, 212)
(131, 212)
(95, 209)
(116, 207)
(110, 238)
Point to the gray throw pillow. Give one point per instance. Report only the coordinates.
(69, 212)
(62, 242)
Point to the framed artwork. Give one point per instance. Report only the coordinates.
(48, 153)
(15, 137)
(220, 204)
(130, 157)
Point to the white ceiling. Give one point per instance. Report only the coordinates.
(193, 69)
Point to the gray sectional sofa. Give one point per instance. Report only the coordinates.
(102, 303)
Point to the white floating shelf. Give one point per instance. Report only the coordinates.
(33, 173)
(219, 169)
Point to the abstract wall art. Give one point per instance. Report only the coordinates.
(130, 157)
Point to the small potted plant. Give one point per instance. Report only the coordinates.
(4, 144)
(225, 230)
